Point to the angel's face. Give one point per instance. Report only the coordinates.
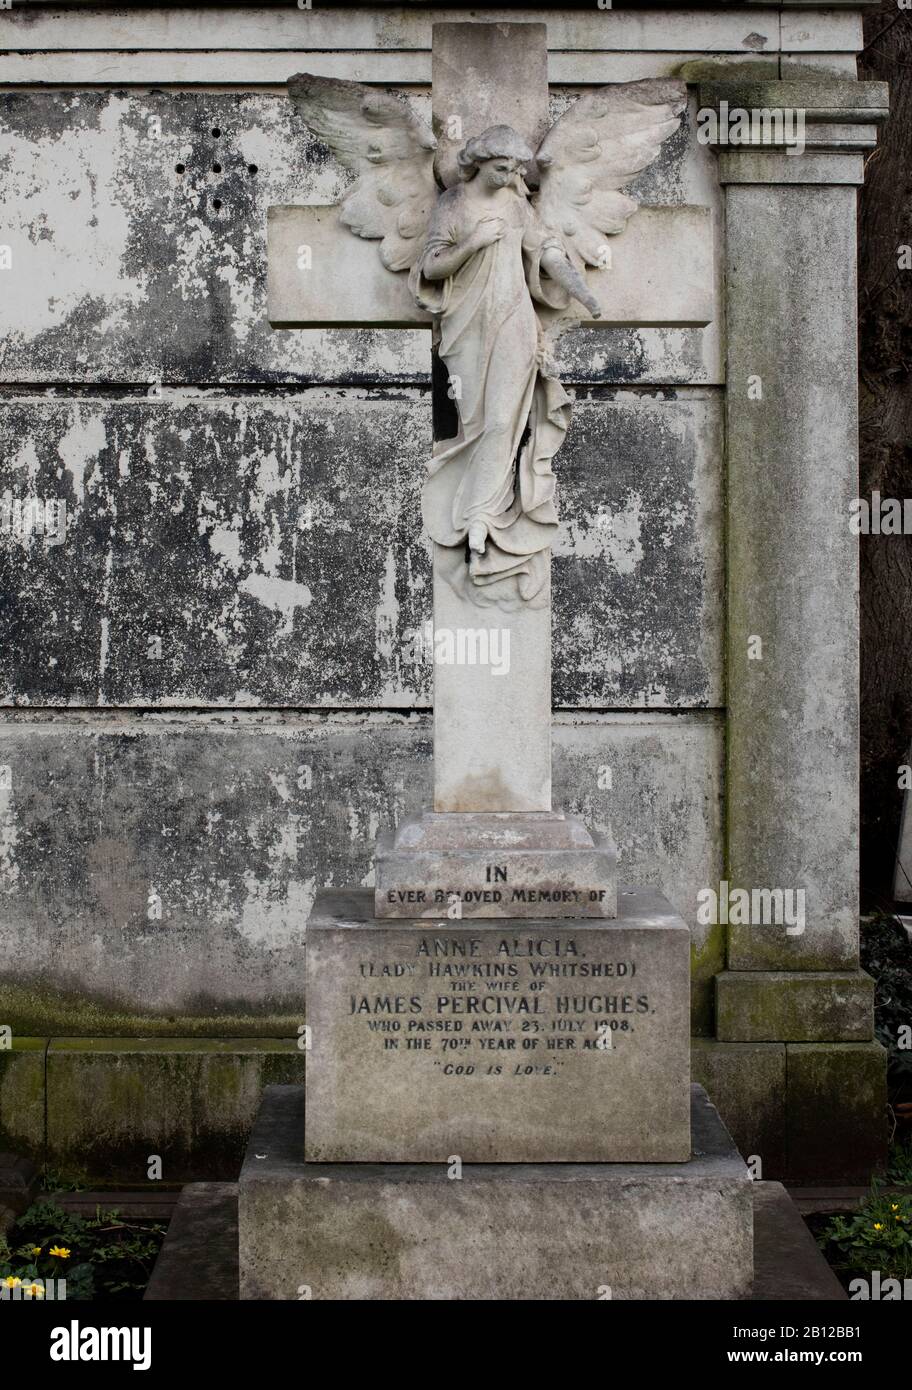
(498, 172)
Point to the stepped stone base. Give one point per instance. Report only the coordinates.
(499, 1231)
(494, 864)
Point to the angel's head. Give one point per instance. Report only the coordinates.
(498, 156)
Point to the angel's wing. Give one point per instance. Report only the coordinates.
(375, 134)
(596, 147)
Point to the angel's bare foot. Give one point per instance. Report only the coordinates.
(478, 536)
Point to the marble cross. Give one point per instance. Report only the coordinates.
(515, 249)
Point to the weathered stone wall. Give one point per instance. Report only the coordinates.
(210, 700)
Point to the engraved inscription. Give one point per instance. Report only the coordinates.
(515, 894)
(492, 1005)
(518, 1041)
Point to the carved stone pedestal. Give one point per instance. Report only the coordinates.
(495, 1110)
(506, 1042)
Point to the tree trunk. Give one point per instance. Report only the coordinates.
(885, 307)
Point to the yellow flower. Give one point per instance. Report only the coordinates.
(894, 1207)
(878, 1226)
(11, 1282)
(34, 1290)
(36, 1249)
(60, 1251)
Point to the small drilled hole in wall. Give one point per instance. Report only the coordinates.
(179, 168)
(216, 132)
(252, 169)
(216, 203)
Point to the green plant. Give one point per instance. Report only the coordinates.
(900, 1164)
(105, 1256)
(877, 1236)
(55, 1181)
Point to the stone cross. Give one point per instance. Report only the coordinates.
(492, 823)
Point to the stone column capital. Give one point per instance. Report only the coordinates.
(824, 100)
(798, 131)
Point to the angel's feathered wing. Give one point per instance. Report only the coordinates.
(377, 135)
(597, 146)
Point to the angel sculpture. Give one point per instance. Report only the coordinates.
(499, 267)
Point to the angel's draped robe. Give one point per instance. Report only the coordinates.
(512, 417)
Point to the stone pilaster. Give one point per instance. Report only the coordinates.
(792, 656)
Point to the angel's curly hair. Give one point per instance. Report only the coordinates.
(498, 142)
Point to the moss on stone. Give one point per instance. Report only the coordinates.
(22, 1097)
(707, 958)
(35, 1010)
(794, 1006)
(112, 1103)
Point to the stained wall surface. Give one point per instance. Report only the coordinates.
(211, 695)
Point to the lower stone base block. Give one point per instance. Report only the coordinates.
(836, 1111)
(810, 1112)
(746, 1083)
(499, 1231)
(111, 1102)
